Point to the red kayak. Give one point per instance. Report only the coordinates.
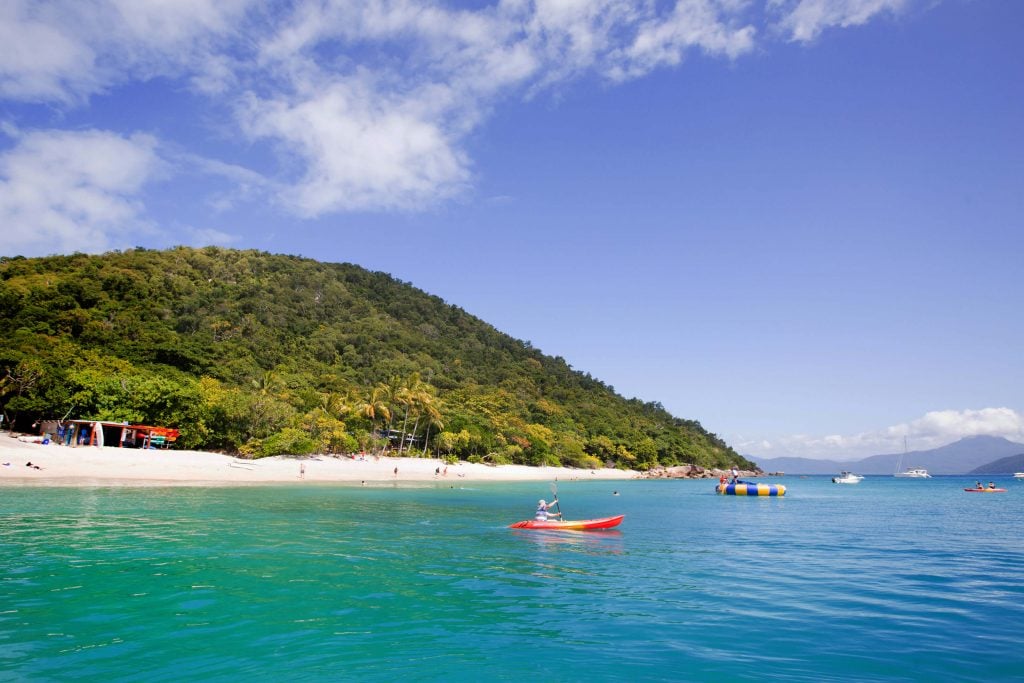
(570, 525)
(985, 490)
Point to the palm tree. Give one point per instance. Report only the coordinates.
(413, 394)
(405, 397)
(433, 418)
(334, 404)
(267, 383)
(375, 406)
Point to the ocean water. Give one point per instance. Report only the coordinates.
(888, 580)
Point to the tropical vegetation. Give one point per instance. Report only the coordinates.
(260, 354)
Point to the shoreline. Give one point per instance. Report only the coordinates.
(59, 465)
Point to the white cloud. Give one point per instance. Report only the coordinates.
(804, 20)
(64, 51)
(693, 24)
(368, 104)
(934, 429)
(64, 191)
(39, 61)
(361, 151)
(387, 131)
(943, 425)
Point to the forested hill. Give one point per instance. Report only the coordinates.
(263, 354)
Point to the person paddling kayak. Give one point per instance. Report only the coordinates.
(543, 513)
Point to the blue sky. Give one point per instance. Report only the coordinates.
(797, 221)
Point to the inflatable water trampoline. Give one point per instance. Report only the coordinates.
(751, 489)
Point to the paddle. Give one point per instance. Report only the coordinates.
(558, 508)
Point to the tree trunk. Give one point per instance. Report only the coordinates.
(405, 423)
(415, 426)
(426, 439)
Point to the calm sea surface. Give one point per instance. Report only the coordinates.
(887, 580)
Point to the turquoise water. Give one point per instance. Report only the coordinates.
(887, 580)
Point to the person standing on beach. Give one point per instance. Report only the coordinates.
(302, 470)
(396, 473)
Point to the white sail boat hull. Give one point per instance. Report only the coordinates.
(914, 473)
(910, 472)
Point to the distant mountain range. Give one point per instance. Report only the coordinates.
(1014, 463)
(970, 455)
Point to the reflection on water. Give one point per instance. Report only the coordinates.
(603, 542)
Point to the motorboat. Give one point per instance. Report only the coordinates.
(1018, 475)
(847, 478)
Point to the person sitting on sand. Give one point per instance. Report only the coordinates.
(543, 513)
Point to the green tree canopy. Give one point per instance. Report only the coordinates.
(245, 351)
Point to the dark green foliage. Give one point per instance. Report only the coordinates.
(263, 354)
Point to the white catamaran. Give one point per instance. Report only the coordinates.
(910, 472)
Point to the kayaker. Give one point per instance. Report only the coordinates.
(991, 484)
(543, 513)
(980, 486)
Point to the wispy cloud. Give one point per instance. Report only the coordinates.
(804, 20)
(64, 51)
(934, 429)
(63, 191)
(368, 104)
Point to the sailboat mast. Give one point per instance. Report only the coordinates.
(899, 461)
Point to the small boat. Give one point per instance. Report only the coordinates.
(847, 478)
(751, 489)
(977, 490)
(570, 525)
(1018, 475)
(910, 472)
(914, 473)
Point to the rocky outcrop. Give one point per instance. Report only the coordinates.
(692, 472)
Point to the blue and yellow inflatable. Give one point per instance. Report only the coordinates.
(751, 489)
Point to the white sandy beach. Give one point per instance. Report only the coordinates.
(103, 466)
